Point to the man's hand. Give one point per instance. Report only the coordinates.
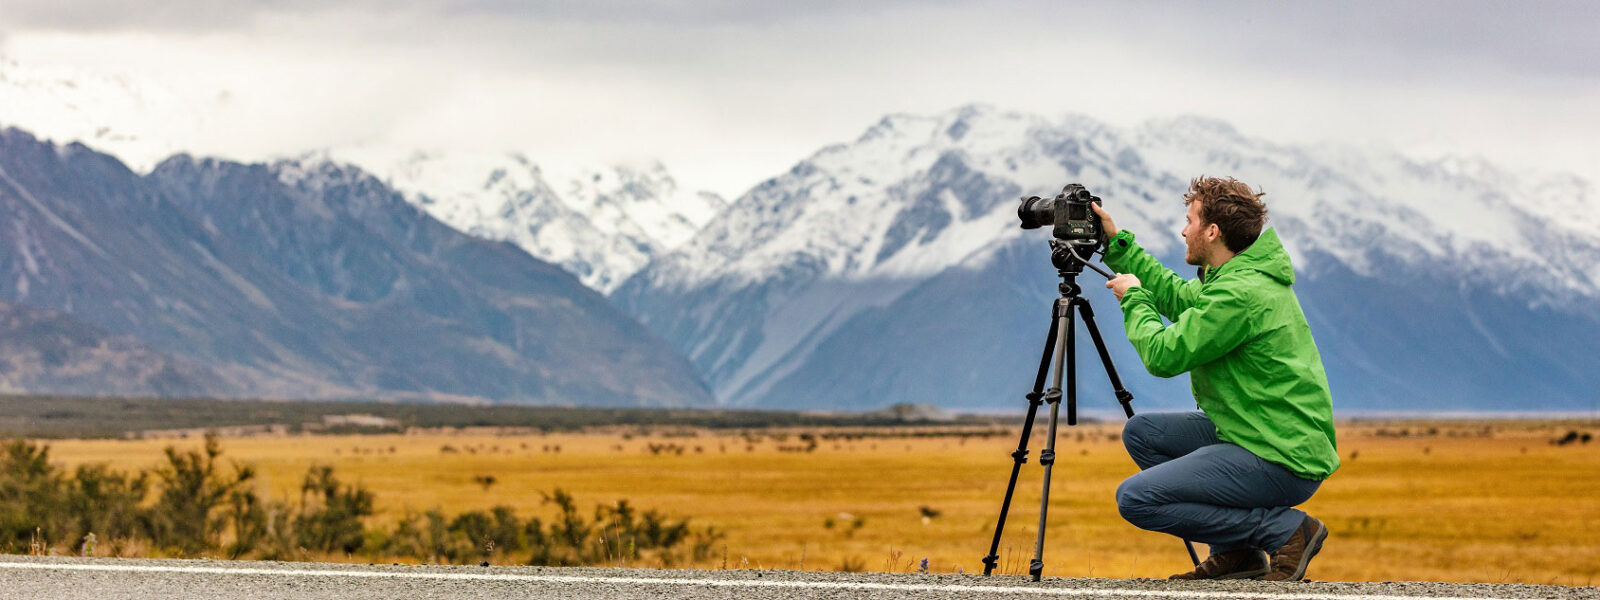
(1107, 224)
(1119, 285)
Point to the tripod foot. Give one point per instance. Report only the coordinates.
(989, 563)
(1036, 569)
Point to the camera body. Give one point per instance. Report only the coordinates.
(1073, 221)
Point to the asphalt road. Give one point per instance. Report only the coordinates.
(23, 577)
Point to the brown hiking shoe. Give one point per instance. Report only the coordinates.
(1289, 563)
(1248, 563)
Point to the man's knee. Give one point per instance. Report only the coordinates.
(1135, 433)
(1133, 500)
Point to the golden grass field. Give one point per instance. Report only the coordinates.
(1476, 501)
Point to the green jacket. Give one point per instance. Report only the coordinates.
(1240, 334)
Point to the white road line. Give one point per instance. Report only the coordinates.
(904, 587)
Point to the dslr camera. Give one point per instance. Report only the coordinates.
(1075, 227)
(1074, 222)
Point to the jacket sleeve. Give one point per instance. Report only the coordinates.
(1218, 323)
(1171, 293)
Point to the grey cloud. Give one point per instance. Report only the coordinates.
(209, 15)
(1552, 37)
(151, 16)
(698, 13)
(1359, 39)
(1544, 37)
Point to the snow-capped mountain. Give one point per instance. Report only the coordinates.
(892, 268)
(601, 225)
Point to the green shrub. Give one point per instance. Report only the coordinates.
(331, 514)
(185, 517)
(203, 508)
(32, 496)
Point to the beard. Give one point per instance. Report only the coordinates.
(1193, 257)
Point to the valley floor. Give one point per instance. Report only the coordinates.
(1469, 501)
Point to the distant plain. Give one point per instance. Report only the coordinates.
(1473, 501)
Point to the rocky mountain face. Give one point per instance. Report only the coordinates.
(45, 350)
(309, 280)
(891, 268)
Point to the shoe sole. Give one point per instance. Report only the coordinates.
(1246, 575)
(1257, 574)
(1239, 575)
(1313, 546)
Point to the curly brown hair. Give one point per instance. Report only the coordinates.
(1229, 204)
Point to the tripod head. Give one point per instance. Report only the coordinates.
(1070, 257)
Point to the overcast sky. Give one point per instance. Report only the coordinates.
(729, 93)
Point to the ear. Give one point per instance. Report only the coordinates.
(1213, 233)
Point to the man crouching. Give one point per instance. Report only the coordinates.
(1262, 442)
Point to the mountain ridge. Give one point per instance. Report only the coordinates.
(837, 245)
(312, 281)
(859, 226)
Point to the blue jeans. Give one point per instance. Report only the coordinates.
(1199, 488)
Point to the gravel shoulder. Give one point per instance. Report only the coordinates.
(62, 577)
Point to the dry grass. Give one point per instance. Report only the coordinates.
(1472, 501)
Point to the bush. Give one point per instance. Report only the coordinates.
(204, 508)
(186, 518)
(330, 517)
(31, 496)
(107, 503)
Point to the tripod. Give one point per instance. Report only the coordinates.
(1059, 344)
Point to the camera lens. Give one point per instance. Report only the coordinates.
(1036, 212)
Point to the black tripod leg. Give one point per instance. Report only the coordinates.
(1072, 372)
(1123, 395)
(1047, 457)
(1035, 398)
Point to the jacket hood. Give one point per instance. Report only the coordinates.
(1265, 255)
